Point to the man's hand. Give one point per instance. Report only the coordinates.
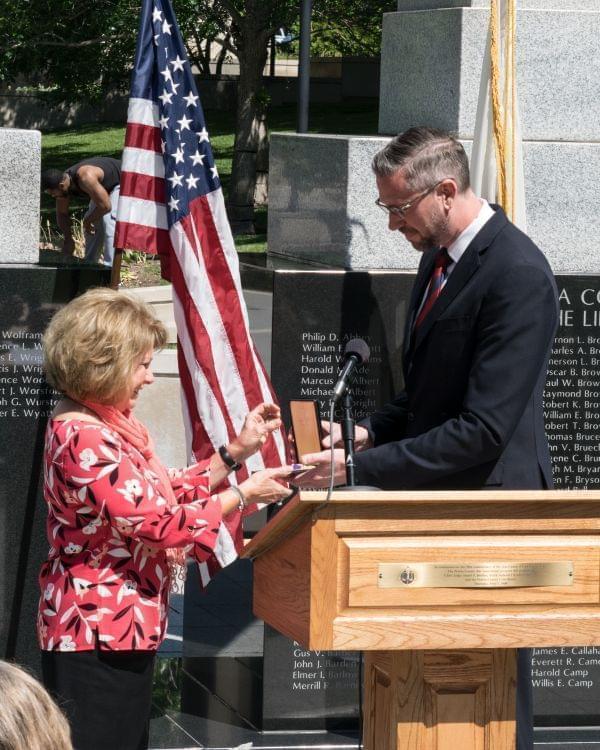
(89, 227)
(362, 439)
(319, 476)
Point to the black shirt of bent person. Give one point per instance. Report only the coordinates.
(110, 167)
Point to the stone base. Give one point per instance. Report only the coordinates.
(185, 731)
(322, 203)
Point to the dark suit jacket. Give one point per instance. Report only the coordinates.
(471, 413)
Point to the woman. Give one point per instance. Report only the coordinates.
(29, 718)
(119, 523)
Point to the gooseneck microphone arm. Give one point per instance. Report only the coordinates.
(353, 360)
(356, 353)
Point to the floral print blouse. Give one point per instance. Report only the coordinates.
(106, 579)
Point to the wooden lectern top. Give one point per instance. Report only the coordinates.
(432, 570)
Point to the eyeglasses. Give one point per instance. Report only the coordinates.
(401, 210)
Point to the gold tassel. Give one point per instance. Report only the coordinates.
(504, 107)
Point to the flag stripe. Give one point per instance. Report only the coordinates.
(278, 452)
(147, 239)
(142, 186)
(222, 270)
(142, 111)
(144, 137)
(221, 224)
(199, 349)
(197, 429)
(194, 342)
(142, 161)
(226, 302)
(218, 301)
(145, 213)
(219, 392)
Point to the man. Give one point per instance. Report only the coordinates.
(98, 179)
(479, 330)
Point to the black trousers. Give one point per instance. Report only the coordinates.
(106, 696)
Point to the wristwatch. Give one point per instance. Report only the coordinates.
(228, 459)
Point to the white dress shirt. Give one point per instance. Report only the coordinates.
(461, 243)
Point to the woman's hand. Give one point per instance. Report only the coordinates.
(266, 486)
(258, 425)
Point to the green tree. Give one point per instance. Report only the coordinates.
(348, 27)
(79, 49)
(67, 45)
(82, 50)
(253, 23)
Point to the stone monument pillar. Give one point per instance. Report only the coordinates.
(20, 158)
(321, 200)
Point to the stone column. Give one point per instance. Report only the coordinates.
(322, 190)
(20, 160)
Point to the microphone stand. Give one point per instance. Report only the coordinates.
(348, 439)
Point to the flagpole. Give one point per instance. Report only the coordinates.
(115, 276)
(497, 153)
(171, 204)
(304, 66)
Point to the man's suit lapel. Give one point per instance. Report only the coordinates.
(416, 296)
(465, 268)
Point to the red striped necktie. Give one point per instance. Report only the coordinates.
(438, 275)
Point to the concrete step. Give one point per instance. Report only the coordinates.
(164, 312)
(165, 363)
(152, 294)
(259, 313)
(160, 297)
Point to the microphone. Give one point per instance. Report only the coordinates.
(356, 353)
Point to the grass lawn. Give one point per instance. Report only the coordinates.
(62, 148)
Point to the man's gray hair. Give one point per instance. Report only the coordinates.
(426, 156)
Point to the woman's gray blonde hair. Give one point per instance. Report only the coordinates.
(29, 719)
(92, 345)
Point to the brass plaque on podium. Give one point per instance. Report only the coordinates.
(483, 575)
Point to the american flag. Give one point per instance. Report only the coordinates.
(171, 203)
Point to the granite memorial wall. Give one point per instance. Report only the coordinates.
(30, 296)
(567, 680)
(314, 314)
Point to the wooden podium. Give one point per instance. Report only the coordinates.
(439, 589)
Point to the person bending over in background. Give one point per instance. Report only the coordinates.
(98, 179)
